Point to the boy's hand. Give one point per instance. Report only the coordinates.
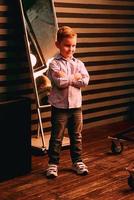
(60, 74)
(77, 76)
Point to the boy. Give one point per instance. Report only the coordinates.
(67, 75)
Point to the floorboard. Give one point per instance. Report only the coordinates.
(107, 179)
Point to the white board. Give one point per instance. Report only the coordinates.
(42, 18)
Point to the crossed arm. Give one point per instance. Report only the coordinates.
(63, 80)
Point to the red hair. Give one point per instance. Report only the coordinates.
(64, 32)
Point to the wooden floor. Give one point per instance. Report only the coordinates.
(107, 179)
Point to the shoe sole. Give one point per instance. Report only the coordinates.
(51, 176)
(81, 174)
(84, 173)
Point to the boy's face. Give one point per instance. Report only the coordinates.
(67, 46)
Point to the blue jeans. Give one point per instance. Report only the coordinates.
(73, 121)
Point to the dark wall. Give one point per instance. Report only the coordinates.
(14, 70)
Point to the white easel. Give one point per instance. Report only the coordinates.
(34, 75)
(40, 141)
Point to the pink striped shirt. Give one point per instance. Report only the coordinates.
(66, 91)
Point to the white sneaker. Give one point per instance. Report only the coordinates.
(52, 171)
(80, 168)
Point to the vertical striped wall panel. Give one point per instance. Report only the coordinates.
(106, 45)
(14, 71)
(15, 79)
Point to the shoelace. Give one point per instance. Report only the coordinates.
(81, 165)
(52, 168)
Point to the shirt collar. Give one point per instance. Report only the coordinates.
(59, 56)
